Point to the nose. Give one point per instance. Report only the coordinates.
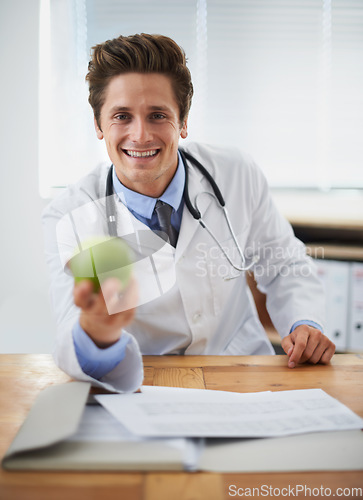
(140, 130)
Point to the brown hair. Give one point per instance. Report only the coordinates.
(141, 53)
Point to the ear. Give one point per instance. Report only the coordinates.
(99, 132)
(184, 129)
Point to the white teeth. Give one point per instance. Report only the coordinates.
(141, 154)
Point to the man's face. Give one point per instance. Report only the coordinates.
(140, 124)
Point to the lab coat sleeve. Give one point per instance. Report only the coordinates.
(284, 272)
(127, 375)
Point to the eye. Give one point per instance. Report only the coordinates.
(121, 116)
(157, 116)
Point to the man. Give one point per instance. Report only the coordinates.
(189, 298)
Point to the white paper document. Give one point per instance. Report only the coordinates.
(176, 412)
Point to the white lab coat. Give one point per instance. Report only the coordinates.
(192, 309)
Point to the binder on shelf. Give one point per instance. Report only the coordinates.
(335, 276)
(356, 308)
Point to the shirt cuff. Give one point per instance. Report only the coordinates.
(94, 361)
(306, 322)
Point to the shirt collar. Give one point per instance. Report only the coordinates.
(144, 205)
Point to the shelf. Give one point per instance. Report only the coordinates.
(335, 209)
(337, 252)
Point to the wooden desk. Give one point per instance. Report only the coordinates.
(22, 377)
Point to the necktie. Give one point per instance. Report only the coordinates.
(163, 212)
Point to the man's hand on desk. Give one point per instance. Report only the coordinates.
(103, 323)
(307, 344)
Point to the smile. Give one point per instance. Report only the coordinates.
(141, 154)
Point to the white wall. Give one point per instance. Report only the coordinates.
(26, 323)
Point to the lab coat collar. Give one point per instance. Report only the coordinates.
(127, 223)
(144, 205)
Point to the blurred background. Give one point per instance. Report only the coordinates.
(280, 79)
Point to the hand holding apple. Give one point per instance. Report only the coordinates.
(105, 263)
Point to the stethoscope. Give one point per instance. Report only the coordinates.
(112, 218)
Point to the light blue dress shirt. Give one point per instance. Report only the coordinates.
(97, 362)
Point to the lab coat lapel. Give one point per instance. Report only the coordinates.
(189, 225)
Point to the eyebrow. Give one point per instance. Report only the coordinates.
(159, 108)
(119, 109)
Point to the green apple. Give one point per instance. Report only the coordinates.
(102, 258)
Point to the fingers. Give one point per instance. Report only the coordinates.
(108, 311)
(83, 295)
(306, 341)
(111, 299)
(307, 344)
(286, 344)
(111, 294)
(323, 353)
(118, 299)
